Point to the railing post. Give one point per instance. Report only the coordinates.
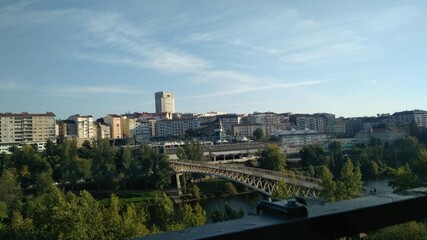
(178, 183)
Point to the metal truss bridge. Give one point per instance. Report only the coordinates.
(262, 180)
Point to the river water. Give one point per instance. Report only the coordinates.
(247, 202)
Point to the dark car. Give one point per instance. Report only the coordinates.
(291, 207)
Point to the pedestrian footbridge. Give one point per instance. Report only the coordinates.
(262, 180)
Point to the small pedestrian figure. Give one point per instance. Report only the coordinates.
(375, 191)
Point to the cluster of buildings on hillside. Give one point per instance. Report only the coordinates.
(293, 130)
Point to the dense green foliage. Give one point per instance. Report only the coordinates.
(411, 230)
(46, 212)
(347, 186)
(227, 214)
(258, 134)
(405, 160)
(282, 191)
(192, 151)
(68, 216)
(272, 157)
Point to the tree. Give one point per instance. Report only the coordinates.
(29, 164)
(128, 164)
(313, 155)
(4, 161)
(192, 151)
(163, 213)
(43, 183)
(335, 155)
(134, 220)
(230, 188)
(85, 151)
(282, 191)
(21, 228)
(328, 185)
(272, 158)
(350, 182)
(145, 164)
(258, 134)
(10, 192)
(103, 164)
(196, 191)
(92, 214)
(409, 230)
(193, 216)
(113, 221)
(404, 151)
(68, 163)
(228, 214)
(420, 165)
(3, 211)
(404, 178)
(161, 175)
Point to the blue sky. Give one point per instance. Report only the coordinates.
(350, 58)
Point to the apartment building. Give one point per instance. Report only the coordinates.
(272, 121)
(26, 128)
(389, 135)
(144, 131)
(406, 117)
(168, 128)
(84, 127)
(301, 138)
(103, 131)
(129, 124)
(228, 121)
(294, 140)
(247, 129)
(320, 122)
(115, 123)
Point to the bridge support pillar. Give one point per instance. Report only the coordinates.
(178, 183)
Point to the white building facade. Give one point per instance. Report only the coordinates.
(84, 126)
(25, 128)
(164, 102)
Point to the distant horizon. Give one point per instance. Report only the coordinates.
(347, 58)
(131, 112)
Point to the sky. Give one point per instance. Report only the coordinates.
(349, 58)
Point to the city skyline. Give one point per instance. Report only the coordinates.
(347, 58)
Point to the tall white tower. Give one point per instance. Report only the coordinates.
(165, 102)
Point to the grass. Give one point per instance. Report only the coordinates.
(148, 197)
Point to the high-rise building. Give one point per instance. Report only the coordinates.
(165, 102)
(26, 128)
(406, 117)
(84, 126)
(115, 123)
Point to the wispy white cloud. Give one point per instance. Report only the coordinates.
(396, 17)
(325, 52)
(290, 38)
(256, 88)
(12, 85)
(20, 13)
(85, 90)
(135, 49)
